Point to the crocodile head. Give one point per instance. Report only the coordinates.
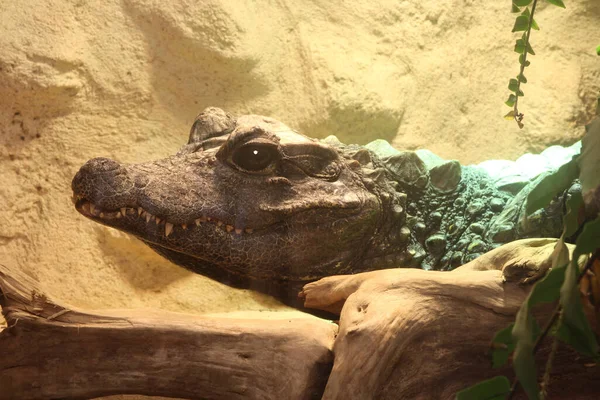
(247, 201)
(253, 204)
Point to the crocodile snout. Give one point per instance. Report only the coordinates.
(103, 182)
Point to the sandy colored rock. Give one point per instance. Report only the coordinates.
(124, 79)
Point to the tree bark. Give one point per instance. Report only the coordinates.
(54, 351)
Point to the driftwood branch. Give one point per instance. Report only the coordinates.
(413, 334)
(403, 334)
(54, 351)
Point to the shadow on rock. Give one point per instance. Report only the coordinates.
(194, 61)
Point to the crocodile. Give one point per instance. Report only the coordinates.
(254, 204)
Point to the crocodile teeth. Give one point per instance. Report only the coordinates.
(90, 208)
(168, 228)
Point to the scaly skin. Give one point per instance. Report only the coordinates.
(251, 203)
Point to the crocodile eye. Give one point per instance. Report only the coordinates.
(255, 157)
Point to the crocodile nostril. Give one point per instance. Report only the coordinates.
(92, 169)
(99, 180)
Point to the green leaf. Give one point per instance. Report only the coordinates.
(511, 101)
(571, 219)
(575, 329)
(523, 359)
(522, 78)
(513, 86)
(520, 46)
(496, 388)
(573, 338)
(510, 115)
(522, 3)
(515, 9)
(527, 14)
(588, 242)
(521, 23)
(551, 185)
(530, 49)
(598, 50)
(522, 60)
(548, 289)
(557, 3)
(502, 346)
(589, 159)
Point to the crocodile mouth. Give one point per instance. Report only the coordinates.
(188, 244)
(137, 219)
(137, 216)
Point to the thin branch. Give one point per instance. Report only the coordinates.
(538, 342)
(518, 117)
(549, 362)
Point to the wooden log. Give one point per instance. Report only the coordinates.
(55, 351)
(412, 334)
(404, 334)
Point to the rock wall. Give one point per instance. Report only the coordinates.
(125, 78)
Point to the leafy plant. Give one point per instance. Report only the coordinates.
(562, 285)
(523, 23)
(567, 285)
